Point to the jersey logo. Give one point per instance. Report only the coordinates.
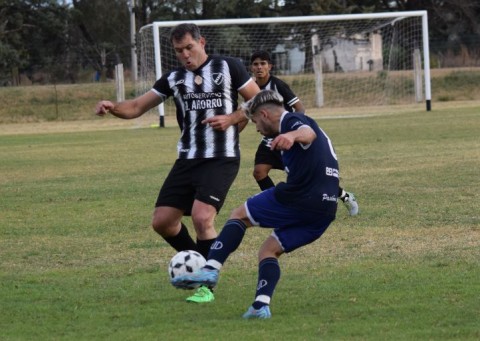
(218, 78)
(181, 81)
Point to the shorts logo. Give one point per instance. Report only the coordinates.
(331, 172)
(214, 198)
(216, 246)
(326, 197)
(218, 78)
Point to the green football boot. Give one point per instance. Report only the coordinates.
(202, 295)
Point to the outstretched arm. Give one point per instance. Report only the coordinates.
(129, 109)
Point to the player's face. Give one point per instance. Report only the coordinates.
(190, 52)
(263, 124)
(260, 68)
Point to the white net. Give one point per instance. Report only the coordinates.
(328, 63)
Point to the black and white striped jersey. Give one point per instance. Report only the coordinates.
(277, 85)
(210, 90)
(289, 99)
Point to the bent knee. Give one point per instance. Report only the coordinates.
(165, 223)
(240, 213)
(259, 174)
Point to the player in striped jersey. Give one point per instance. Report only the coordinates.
(265, 158)
(205, 90)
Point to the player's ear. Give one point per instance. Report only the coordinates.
(264, 113)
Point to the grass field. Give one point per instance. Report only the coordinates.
(80, 262)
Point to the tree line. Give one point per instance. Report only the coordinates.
(59, 40)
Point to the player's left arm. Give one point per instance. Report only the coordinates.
(299, 107)
(303, 135)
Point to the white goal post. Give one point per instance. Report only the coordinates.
(354, 60)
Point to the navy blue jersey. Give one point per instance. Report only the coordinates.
(210, 90)
(312, 170)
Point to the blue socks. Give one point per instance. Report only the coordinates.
(268, 276)
(227, 242)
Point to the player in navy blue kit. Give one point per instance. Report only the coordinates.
(267, 159)
(299, 210)
(205, 90)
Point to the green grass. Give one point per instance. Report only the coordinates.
(54, 102)
(80, 262)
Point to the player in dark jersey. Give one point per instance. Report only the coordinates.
(265, 158)
(205, 90)
(299, 209)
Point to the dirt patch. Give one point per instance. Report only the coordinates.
(149, 120)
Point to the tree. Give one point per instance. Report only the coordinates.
(454, 25)
(55, 38)
(101, 30)
(32, 35)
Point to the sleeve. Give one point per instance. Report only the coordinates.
(162, 87)
(291, 122)
(238, 72)
(283, 89)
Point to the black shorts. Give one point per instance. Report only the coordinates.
(266, 156)
(206, 180)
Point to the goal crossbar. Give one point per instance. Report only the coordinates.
(157, 42)
(310, 18)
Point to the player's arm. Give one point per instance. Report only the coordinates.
(222, 122)
(129, 109)
(303, 135)
(247, 93)
(299, 107)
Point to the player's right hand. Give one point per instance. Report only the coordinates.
(103, 107)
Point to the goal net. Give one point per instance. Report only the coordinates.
(337, 61)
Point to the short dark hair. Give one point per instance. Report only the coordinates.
(263, 55)
(179, 31)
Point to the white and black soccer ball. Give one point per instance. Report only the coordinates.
(184, 263)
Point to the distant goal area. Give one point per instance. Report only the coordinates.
(338, 61)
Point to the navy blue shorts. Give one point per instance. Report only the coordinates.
(293, 228)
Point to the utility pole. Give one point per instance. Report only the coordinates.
(131, 7)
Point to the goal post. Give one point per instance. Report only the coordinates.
(330, 61)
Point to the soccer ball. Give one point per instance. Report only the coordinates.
(184, 263)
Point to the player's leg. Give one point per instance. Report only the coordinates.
(225, 244)
(174, 200)
(203, 216)
(296, 228)
(268, 276)
(167, 223)
(265, 160)
(260, 173)
(212, 180)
